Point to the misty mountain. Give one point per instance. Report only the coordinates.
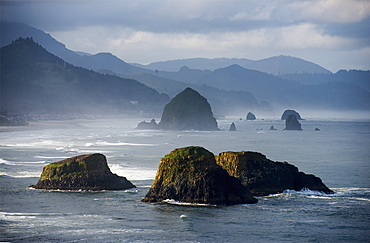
(273, 65)
(222, 102)
(97, 62)
(34, 80)
(357, 77)
(278, 91)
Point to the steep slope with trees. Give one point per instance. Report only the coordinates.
(34, 80)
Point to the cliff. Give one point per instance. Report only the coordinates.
(186, 111)
(191, 175)
(84, 172)
(263, 176)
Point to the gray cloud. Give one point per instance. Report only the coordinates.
(231, 28)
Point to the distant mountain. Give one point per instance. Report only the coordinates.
(357, 77)
(273, 65)
(223, 103)
(100, 61)
(34, 80)
(278, 91)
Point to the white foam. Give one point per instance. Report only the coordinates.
(119, 143)
(174, 202)
(133, 173)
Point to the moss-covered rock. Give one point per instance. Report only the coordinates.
(191, 175)
(84, 172)
(263, 176)
(188, 111)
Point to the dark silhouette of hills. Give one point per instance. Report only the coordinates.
(97, 62)
(276, 90)
(358, 77)
(272, 65)
(34, 80)
(223, 102)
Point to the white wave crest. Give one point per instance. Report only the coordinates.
(133, 173)
(174, 202)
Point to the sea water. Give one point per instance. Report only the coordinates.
(339, 154)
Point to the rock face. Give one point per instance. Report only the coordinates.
(191, 175)
(291, 123)
(290, 112)
(84, 172)
(263, 176)
(250, 116)
(232, 127)
(188, 110)
(147, 125)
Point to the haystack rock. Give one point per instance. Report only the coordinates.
(84, 172)
(291, 123)
(250, 116)
(263, 177)
(290, 112)
(188, 111)
(191, 175)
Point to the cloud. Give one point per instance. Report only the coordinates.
(150, 30)
(338, 11)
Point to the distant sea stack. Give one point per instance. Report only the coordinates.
(191, 175)
(147, 125)
(232, 127)
(291, 123)
(263, 177)
(250, 116)
(188, 111)
(290, 112)
(83, 172)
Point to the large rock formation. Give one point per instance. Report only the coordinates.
(291, 123)
(188, 110)
(250, 116)
(290, 112)
(84, 172)
(191, 175)
(263, 176)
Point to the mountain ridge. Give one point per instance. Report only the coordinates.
(34, 80)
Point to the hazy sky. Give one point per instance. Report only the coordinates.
(331, 33)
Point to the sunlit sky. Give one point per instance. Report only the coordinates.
(332, 33)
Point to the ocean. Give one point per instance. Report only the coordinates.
(339, 154)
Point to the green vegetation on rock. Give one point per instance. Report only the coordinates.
(190, 174)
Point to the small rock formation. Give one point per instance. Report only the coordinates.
(250, 116)
(191, 175)
(232, 127)
(272, 128)
(263, 176)
(147, 125)
(186, 111)
(291, 123)
(290, 112)
(83, 172)
(317, 129)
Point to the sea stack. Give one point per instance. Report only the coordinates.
(291, 123)
(83, 172)
(250, 116)
(263, 177)
(188, 111)
(232, 127)
(191, 175)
